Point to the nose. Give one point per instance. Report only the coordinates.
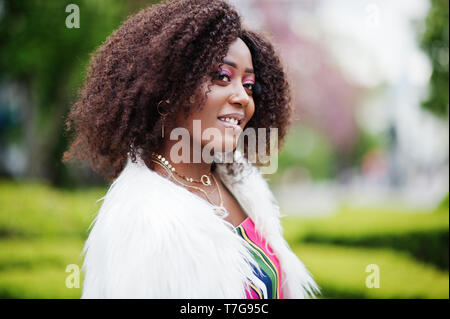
(239, 96)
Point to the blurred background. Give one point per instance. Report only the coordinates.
(363, 177)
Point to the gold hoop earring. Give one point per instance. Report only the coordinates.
(163, 116)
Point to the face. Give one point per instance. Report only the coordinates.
(230, 99)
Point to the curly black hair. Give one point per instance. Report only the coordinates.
(142, 62)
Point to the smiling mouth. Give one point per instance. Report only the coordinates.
(232, 124)
(230, 120)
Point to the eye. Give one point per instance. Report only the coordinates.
(249, 86)
(220, 76)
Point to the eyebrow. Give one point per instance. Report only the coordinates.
(230, 63)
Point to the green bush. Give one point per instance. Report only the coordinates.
(431, 247)
(443, 206)
(35, 210)
(37, 268)
(43, 230)
(306, 147)
(341, 273)
(423, 235)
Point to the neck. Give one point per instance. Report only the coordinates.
(188, 169)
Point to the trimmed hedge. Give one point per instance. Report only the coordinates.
(42, 229)
(431, 247)
(37, 268)
(341, 272)
(423, 235)
(36, 210)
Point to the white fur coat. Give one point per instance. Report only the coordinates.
(152, 238)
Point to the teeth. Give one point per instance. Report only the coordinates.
(229, 120)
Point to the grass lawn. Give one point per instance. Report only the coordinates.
(423, 235)
(42, 231)
(341, 273)
(37, 268)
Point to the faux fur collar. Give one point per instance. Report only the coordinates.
(154, 239)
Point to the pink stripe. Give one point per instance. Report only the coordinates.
(251, 232)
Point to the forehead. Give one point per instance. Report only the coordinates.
(239, 53)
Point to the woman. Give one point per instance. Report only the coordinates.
(204, 227)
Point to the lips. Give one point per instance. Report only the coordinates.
(230, 120)
(229, 124)
(239, 117)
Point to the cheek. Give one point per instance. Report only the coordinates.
(215, 100)
(206, 116)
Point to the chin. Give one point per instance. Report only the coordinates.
(229, 143)
(224, 153)
(227, 146)
(223, 143)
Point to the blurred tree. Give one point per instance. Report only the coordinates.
(434, 42)
(46, 60)
(307, 148)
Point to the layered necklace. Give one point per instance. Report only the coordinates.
(204, 180)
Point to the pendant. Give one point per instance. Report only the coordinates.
(207, 182)
(221, 211)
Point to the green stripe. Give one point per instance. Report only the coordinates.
(265, 262)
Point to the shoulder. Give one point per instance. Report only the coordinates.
(152, 239)
(252, 190)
